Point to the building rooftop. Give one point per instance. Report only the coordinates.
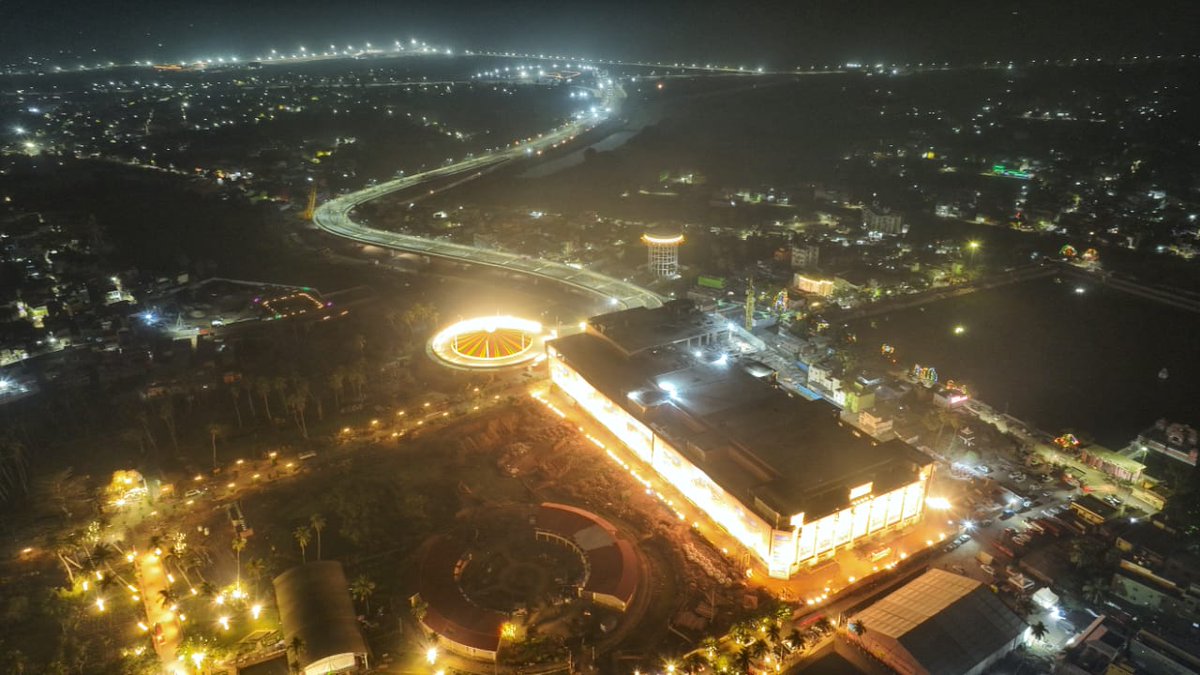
(1095, 505)
(639, 329)
(948, 623)
(448, 612)
(612, 563)
(754, 439)
(314, 605)
(1152, 538)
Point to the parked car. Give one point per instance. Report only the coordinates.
(988, 569)
(983, 468)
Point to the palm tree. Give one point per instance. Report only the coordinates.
(167, 597)
(773, 632)
(247, 386)
(238, 545)
(1038, 630)
(362, 588)
(215, 430)
(337, 384)
(208, 590)
(1023, 606)
(741, 632)
(297, 401)
(64, 550)
(693, 662)
(419, 608)
(795, 639)
(143, 419)
(99, 556)
(279, 386)
(303, 536)
(174, 556)
(317, 521)
(166, 412)
(759, 648)
(357, 377)
(235, 392)
(63, 490)
(263, 387)
(257, 569)
(13, 464)
(858, 627)
(296, 646)
(1093, 591)
(743, 660)
(132, 436)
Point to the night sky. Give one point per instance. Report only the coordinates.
(753, 33)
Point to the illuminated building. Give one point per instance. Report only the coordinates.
(488, 342)
(662, 253)
(779, 474)
(813, 285)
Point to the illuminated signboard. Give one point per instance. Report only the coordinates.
(783, 552)
(863, 490)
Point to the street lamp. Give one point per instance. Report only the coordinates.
(973, 247)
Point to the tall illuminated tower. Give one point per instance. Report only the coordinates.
(662, 252)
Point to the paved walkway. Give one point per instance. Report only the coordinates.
(152, 577)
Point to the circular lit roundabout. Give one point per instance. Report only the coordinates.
(488, 342)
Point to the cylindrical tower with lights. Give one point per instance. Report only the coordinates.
(662, 252)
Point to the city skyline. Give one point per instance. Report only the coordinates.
(777, 35)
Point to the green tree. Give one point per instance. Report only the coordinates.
(238, 545)
(741, 632)
(64, 491)
(208, 590)
(317, 521)
(235, 392)
(759, 648)
(773, 632)
(296, 401)
(337, 385)
(263, 386)
(167, 598)
(362, 588)
(166, 412)
(14, 462)
(419, 608)
(1094, 590)
(303, 536)
(296, 646)
(795, 639)
(216, 431)
(693, 662)
(743, 660)
(257, 569)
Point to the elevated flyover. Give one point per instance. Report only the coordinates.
(334, 217)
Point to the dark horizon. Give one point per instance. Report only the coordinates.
(763, 34)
